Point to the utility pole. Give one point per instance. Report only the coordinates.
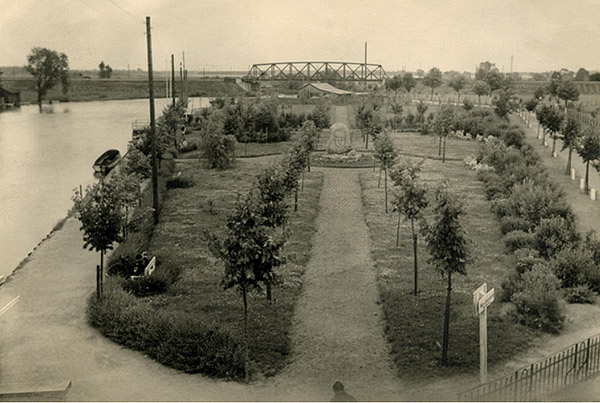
(173, 78)
(152, 124)
(511, 63)
(365, 70)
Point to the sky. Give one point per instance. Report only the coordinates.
(540, 35)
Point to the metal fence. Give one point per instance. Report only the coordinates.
(574, 364)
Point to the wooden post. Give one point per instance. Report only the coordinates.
(152, 123)
(173, 78)
(482, 298)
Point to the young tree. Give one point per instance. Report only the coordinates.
(409, 201)
(395, 104)
(386, 154)
(457, 83)
(249, 252)
(447, 246)
(101, 73)
(480, 88)
(408, 82)
(309, 136)
(571, 133)
(530, 106)
(503, 103)
(443, 124)
(48, 67)
(589, 151)
(433, 79)
(321, 114)
(552, 122)
(101, 216)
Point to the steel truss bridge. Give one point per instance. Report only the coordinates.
(316, 71)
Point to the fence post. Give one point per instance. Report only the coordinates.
(587, 357)
(98, 291)
(515, 395)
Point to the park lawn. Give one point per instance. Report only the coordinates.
(186, 214)
(414, 325)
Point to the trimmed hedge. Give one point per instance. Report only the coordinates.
(173, 340)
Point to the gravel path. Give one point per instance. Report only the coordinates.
(337, 332)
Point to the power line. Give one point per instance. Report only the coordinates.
(125, 11)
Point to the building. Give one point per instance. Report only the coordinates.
(9, 99)
(310, 90)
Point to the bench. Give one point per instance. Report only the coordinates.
(148, 270)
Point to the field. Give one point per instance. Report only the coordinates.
(414, 324)
(110, 89)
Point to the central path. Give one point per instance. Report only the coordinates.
(338, 333)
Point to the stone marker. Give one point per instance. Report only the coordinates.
(573, 174)
(339, 139)
(581, 183)
(592, 194)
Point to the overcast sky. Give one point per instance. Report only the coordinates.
(542, 35)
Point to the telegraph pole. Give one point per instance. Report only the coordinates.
(365, 71)
(152, 124)
(173, 78)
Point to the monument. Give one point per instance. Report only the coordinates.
(339, 141)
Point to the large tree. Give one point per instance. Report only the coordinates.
(48, 67)
(447, 246)
(582, 75)
(433, 79)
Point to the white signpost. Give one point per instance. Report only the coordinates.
(482, 298)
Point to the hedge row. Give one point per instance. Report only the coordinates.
(538, 226)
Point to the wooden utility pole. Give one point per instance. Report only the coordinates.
(152, 124)
(365, 71)
(173, 78)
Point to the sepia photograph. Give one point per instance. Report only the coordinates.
(303, 201)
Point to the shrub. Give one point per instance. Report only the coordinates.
(145, 286)
(180, 182)
(538, 304)
(510, 286)
(172, 340)
(526, 259)
(553, 235)
(580, 294)
(188, 145)
(513, 136)
(218, 150)
(518, 240)
(573, 267)
(511, 223)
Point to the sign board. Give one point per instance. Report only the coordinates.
(477, 294)
(485, 301)
(150, 268)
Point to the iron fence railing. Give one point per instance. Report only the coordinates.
(572, 365)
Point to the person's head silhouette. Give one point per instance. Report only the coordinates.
(340, 394)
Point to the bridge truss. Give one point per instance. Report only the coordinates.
(316, 71)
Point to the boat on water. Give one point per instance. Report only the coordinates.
(107, 161)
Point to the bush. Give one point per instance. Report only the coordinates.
(553, 235)
(538, 304)
(145, 286)
(574, 267)
(188, 145)
(510, 286)
(580, 294)
(511, 223)
(526, 259)
(172, 340)
(513, 136)
(180, 182)
(518, 240)
(218, 150)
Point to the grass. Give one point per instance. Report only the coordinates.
(198, 295)
(414, 325)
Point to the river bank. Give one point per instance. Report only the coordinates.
(94, 89)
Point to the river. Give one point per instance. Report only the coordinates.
(46, 156)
